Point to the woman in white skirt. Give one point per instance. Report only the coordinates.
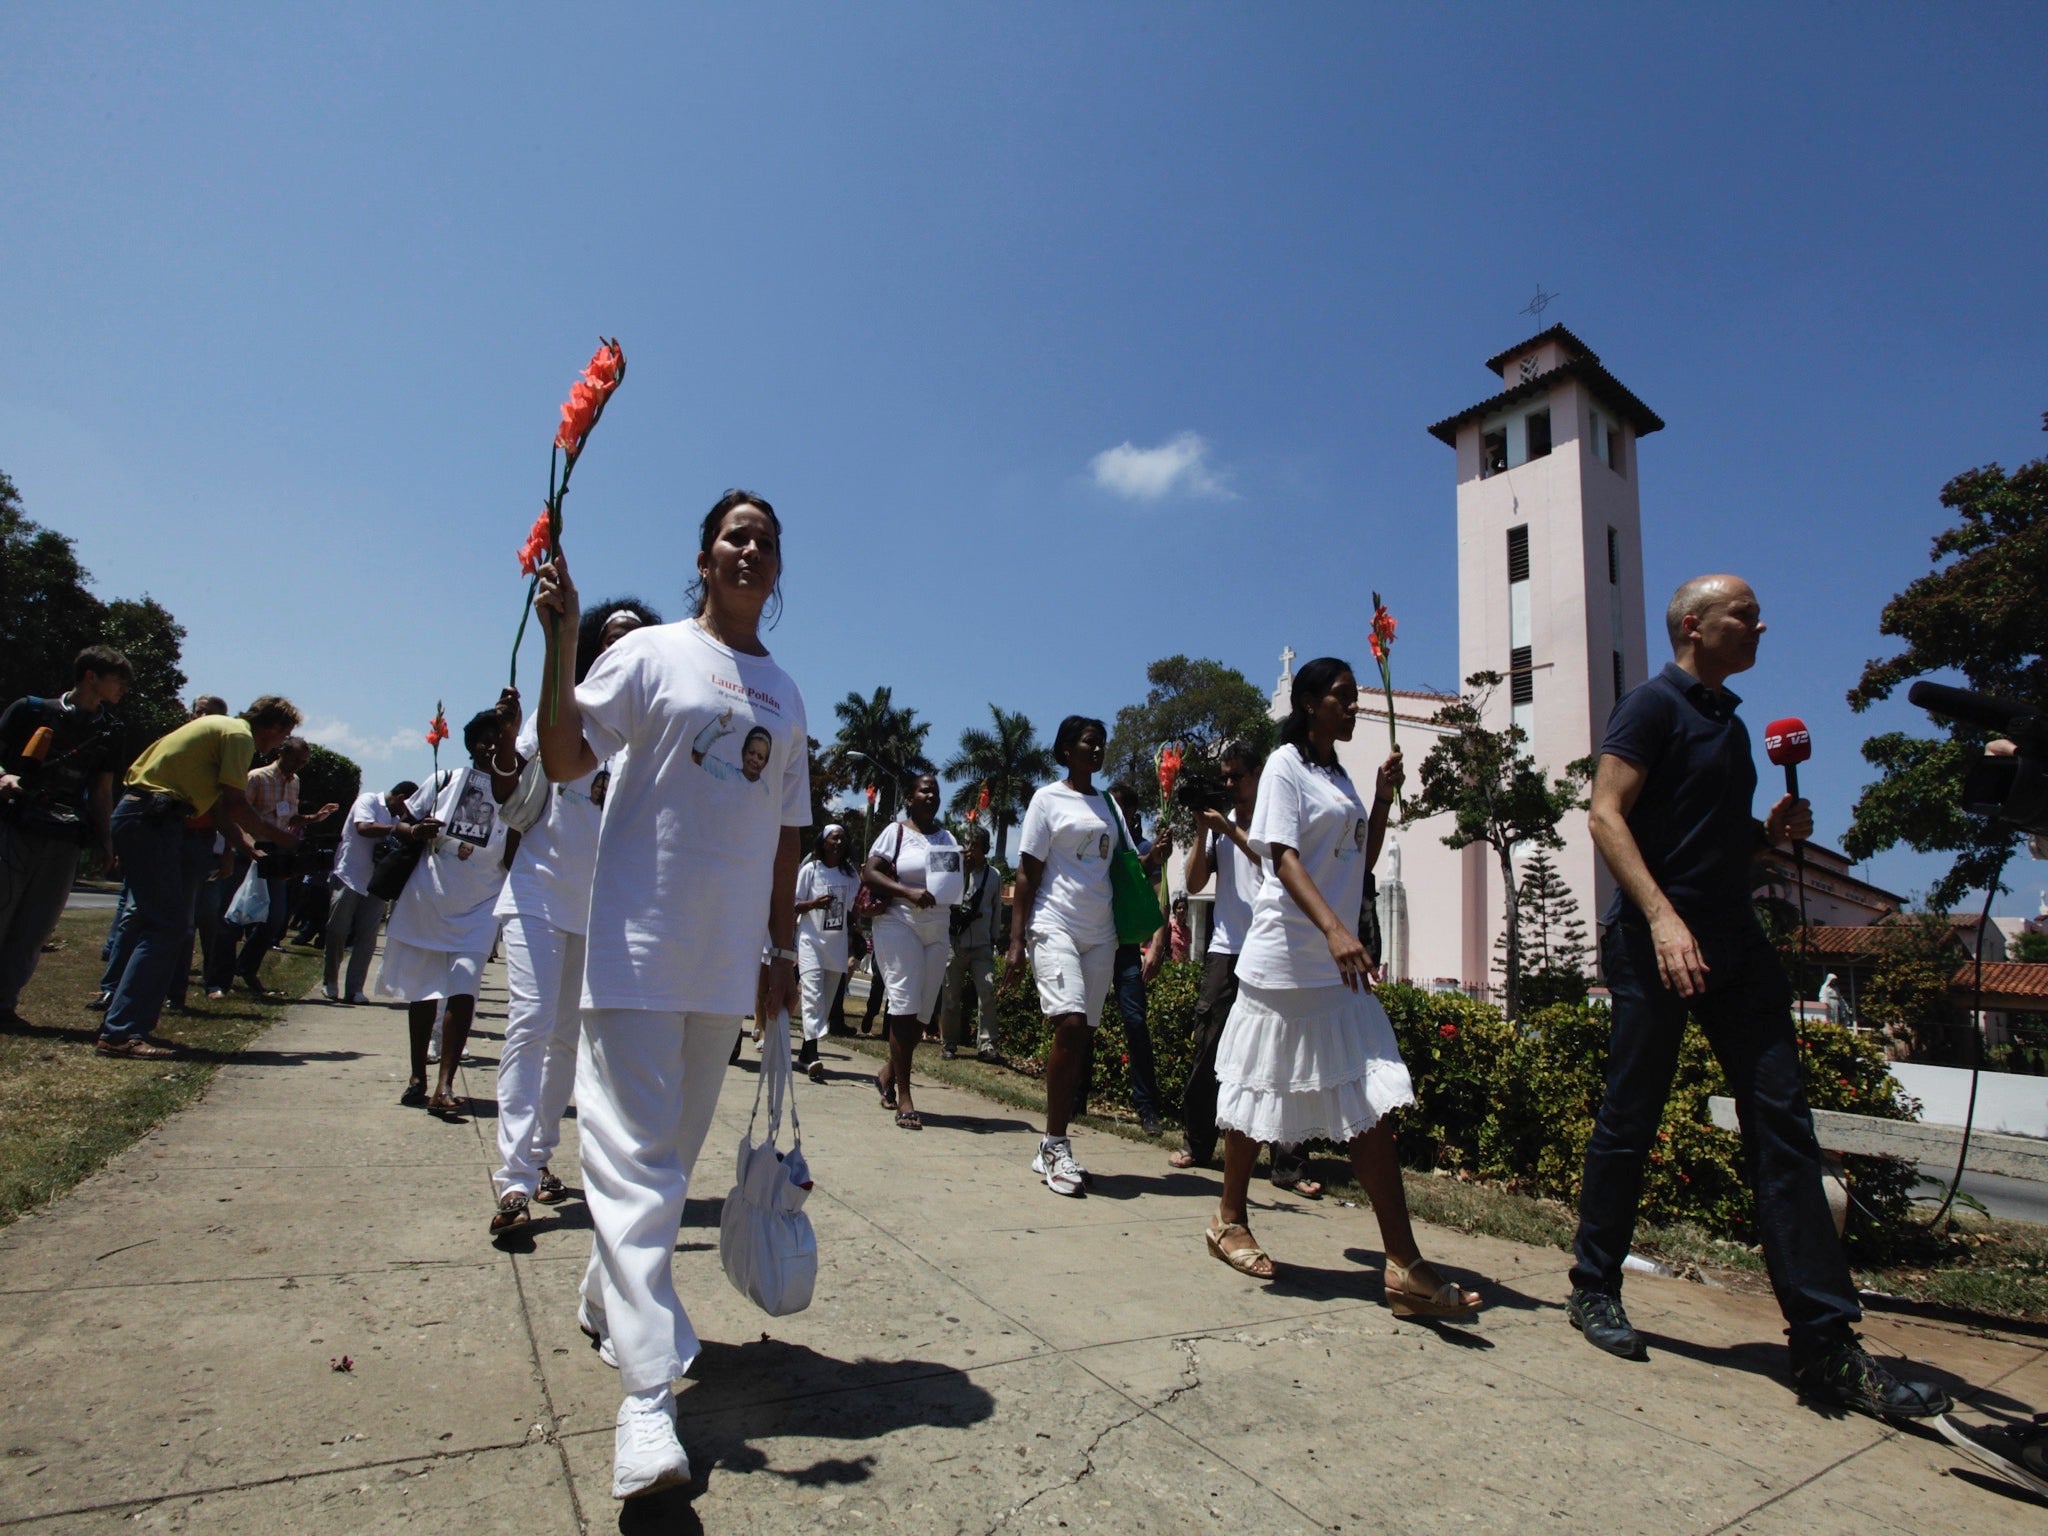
(1063, 909)
(825, 888)
(545, 909)
(444, 921)
(694, 864)
(916, 867)
(1309, 1051)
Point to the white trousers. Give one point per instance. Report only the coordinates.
(646, 1086)
(818, 986)
(537, 1068)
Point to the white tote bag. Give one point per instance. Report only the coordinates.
(251, 903)
(765, 1240)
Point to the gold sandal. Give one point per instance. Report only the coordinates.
(1245, 1261)
(1411, 1294)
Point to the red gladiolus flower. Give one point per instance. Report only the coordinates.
(1170, 760)
(1383, 626)
(1448, 1031)
(437, 728)
(588, 395)
(535, 546)
(981, 804)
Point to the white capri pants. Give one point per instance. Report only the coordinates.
(1071, 979)
(415, 975)
(646, 1085)
(819, 987)
(537, 1068)
(913, 967)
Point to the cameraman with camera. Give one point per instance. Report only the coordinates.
(973, 924)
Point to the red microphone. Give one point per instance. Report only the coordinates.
(1788, 745)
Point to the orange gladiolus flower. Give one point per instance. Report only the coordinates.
(535, 546)
(588, 395)
(1170, 760)
(1383, 626)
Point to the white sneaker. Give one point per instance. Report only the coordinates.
(359, 998)
(646, 1455)
(327, 991)
(1055, 1161)
(599, 1336)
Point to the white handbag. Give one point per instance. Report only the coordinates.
(765, 1240)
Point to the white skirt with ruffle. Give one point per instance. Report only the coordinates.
(1307, 1062)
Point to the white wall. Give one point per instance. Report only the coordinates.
(2010, 1103)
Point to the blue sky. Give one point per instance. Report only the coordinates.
(291, 298)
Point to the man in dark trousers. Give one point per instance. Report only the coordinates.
(1671, 816)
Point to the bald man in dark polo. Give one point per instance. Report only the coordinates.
(1671, 816)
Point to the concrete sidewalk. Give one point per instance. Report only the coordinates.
(982, 1355)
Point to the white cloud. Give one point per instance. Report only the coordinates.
(1180, 464)
(340, 736)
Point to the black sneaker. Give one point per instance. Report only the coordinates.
(1845, 1376)
(1605, 1324)
(2018, 1452)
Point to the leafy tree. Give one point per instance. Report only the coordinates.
(1495, 794)
(47, 615)
(2029, 947)
(1010, 760)
(1906, 996)
(144, 631)
(880, 747)
(1199, 705)
(329, 778)
(1979, 613)
(1552, 936)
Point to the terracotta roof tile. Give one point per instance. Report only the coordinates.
(2017, 979)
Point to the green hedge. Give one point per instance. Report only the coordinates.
(1515, 1104)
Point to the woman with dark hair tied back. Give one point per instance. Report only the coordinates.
(545, 910)
(1062, 909)
(696, 862)
(914, 866)
(444, 921)
(1308, 1050)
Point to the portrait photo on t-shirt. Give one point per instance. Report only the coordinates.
(724, 752)
(943, 861)
(476, 813)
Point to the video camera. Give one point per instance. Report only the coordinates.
(2012, 790)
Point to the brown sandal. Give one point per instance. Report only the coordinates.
(141, 1047)
(450, 1107)
(1417, 1290)
(511, 1213)
(1247, 1260)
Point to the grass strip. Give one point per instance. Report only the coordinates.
(64, 1109)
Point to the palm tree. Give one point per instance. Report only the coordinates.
(1010, 760)
(879, 747)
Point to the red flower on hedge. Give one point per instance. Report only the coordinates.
(1448, 1031)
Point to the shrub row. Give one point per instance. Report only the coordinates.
(1514, 1103)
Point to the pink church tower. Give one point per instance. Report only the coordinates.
(1550, 572)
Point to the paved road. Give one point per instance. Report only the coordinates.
(2006, 1198)
(981, 1356)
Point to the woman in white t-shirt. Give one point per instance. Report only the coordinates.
(443, 922)
(694, 864)
(915, 866)
(1309, 1051)
(545, 910)
(825, 887)
(1062, 910)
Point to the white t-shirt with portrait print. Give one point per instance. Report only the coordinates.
(716, 766)
(821, 932)
(909, 850)
(1073, 835)
(1318, 813)
(449, 903)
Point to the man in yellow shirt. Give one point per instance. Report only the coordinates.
(202, 766)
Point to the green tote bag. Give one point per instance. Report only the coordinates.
(1132, 900)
